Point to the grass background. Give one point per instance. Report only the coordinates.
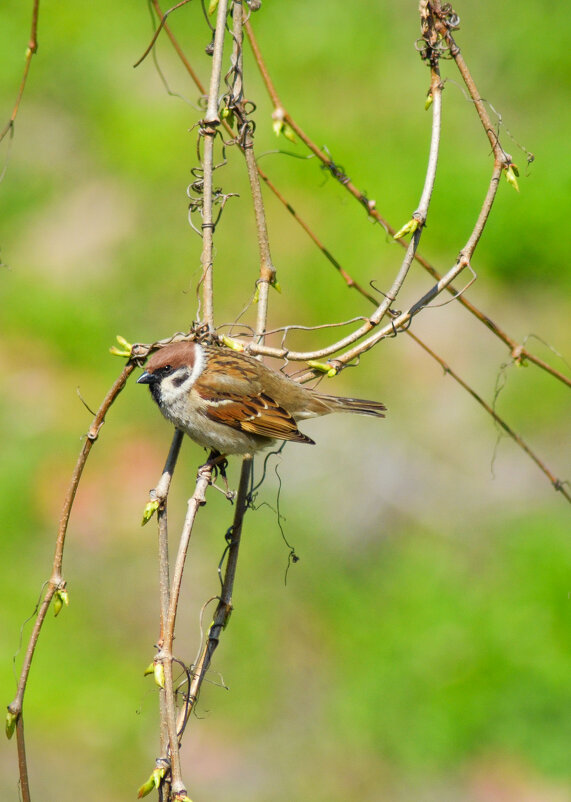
(420, 649)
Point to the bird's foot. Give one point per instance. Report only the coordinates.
(217, 464)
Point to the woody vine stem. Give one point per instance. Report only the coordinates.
(438, 22)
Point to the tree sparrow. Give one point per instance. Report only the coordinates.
(234, 404)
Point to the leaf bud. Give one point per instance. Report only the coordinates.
(11, 720)
(408, 228)
(150, 508)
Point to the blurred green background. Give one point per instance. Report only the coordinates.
(420, 648)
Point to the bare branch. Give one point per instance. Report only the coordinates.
(558, 484)
(224, 608)
(159, 495)
(31, 50)
(445, 29)
(161, 25)
(518, 351)
(236, 104)
(208, 131)
(165, 653)
(56, 583)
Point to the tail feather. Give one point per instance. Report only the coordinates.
(359, 406)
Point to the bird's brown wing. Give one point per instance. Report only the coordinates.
(258, 414)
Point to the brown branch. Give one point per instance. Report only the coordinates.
(558, 484)
(445, 31)
(31, 50)
(159, 495)
(160, 26)
(405, 318)
(175, 44)
(246, 140)
(419, 218)
(208, 131)
(462, 262)
(22, 759)
(224, 608)
(165, 653)
(56, 581)
(517, 350)
(349, 281)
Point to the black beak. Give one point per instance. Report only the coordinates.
(147, 378)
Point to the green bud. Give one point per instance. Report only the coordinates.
(61, 597)
(235, 345)
(228, 115)
(153, 782)
(511, 175)
(408, 228)
(11, 720)
(287, 131)
(213, 6)
(276, 285)
(150, 669)
(323, 367)
(158, 775)
(150, 508)
(125, 349)
(159, 672)
(256, 297)
(146, 788)
(280, 126)
(428, 102)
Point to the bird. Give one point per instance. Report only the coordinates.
(231, 403)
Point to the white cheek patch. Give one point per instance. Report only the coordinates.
(199, 364)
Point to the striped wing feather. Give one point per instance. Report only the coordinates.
(253, 414)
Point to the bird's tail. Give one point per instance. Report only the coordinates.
(359, 406)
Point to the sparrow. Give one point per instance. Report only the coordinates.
(232, 403)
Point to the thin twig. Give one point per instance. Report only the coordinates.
(328, 255)
(160, 495)
(177, 47)
(500, 154)
(463, 261)
(224, 608)
(382, 309)
(208, 130)
(517, 350)
(160, 26)
(165, 653)
(31, 50)
(56, 582)
(558, 484)
(236, 104)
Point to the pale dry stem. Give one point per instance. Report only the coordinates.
(224, 607)
(208, 131)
